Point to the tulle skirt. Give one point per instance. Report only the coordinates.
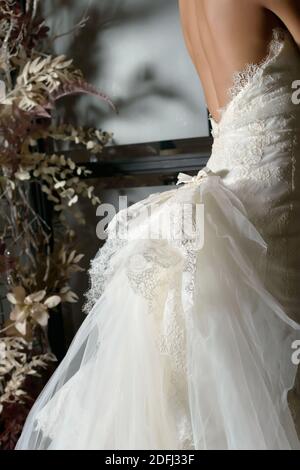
(182, 347)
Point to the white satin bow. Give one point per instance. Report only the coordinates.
(187, 179)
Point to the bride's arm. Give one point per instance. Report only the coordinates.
(289, 13)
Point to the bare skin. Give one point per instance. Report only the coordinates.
(222, 36)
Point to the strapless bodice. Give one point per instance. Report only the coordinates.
(260, 117)
(256, 150)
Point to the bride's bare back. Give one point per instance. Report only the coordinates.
(222, 36)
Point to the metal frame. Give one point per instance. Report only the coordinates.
(159, 159)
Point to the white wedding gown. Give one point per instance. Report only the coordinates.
(189, 345)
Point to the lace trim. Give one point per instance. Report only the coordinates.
(151, 269)
(101, 270)
(242, 78)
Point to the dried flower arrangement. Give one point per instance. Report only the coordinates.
(23, 371)
(35, 261)
(17, 361)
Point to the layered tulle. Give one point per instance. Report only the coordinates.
(183, 347)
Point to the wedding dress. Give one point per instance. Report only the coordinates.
(189, 336)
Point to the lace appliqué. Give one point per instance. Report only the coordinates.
(264, 174)
(171, 343)
(149, 270)
(101, 270)
(155, 273)
(242, 78)
(172, 340)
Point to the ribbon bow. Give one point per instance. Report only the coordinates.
(187, 179)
